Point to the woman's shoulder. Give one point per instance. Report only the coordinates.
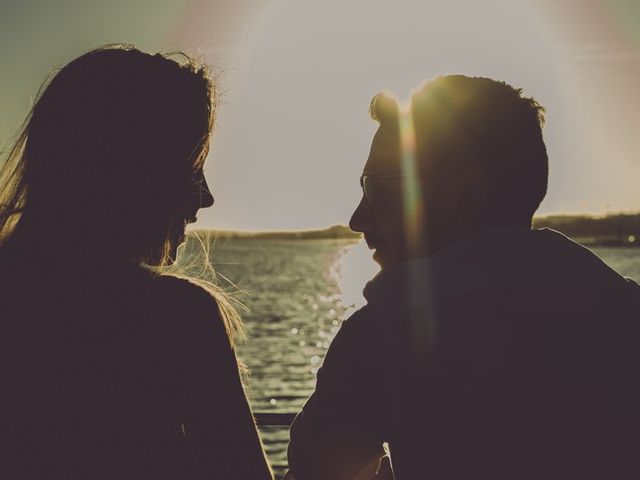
(193, 306)
(182, 288)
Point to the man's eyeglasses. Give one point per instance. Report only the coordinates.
(372, 184)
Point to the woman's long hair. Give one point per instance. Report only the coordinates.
(109, 156)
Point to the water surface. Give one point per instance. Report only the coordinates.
(297, 293)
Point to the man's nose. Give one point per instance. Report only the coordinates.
(362, 219)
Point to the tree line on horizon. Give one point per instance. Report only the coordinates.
(614, 229)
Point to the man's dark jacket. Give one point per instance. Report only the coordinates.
(514, 354)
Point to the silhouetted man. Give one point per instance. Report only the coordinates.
(487, 350)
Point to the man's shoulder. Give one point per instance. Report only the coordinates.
(359, 322)
(380, 316)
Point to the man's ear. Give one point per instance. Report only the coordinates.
(472, 193)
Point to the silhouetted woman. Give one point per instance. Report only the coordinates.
(109, 370)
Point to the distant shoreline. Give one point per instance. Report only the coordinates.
(618, 230)
(333, 232)
(615, 230)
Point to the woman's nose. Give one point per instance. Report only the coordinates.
(205, 195)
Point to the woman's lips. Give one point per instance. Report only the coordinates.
(372, 242)
(379, 247)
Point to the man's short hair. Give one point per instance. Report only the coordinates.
(463, 122)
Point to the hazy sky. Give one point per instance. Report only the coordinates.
(298, 75)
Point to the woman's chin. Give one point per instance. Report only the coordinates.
(380, 257)
(384, 257)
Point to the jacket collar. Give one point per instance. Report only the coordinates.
(492, 259)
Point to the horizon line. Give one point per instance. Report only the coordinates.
(249, 231)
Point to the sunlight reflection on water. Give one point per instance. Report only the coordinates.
(298, 292)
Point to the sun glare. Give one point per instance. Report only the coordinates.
(294, 132)
(412, 188)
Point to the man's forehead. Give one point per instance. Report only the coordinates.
(385, 155)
